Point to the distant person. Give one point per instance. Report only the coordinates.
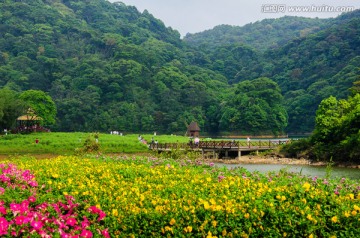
(248, 141)
(197, 141)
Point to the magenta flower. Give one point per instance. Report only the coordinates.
(4, 225)
(101, 215)
(211, 164)
(71, 221)
(32, 199)
(94, 209)
(85, 223)
(105, 233)
(20, 220)
(2, 209)
(33, 183)
(37, 225)
(86, 234)
(2, 190)
(14, 207)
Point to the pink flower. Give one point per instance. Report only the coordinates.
(32, 199)
(94, 209)
(86, 234)
(2, 190)
(101, 215)
(2, 209)
(85, 223)
(4, 225)
(33, 183)
(14, 207)
(71, 221)
(20, 220)
(105, 233)
(37, 225)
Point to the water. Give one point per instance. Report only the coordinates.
(308, 170)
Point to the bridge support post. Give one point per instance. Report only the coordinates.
(202, 154)
(257, 152)
(226, 153)
(239, 153)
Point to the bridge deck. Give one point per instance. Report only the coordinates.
(220, 146)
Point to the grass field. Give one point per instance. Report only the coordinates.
(60, 143)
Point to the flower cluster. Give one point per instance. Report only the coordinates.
(152, 197)
(27, 217)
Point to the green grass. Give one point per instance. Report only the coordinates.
(61, 143)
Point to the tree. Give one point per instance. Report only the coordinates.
(337, 130)
(41, 103)
(10, 108)
(256, 107)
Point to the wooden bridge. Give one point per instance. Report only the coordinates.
(215, 149)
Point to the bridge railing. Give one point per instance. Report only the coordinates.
(220, 144)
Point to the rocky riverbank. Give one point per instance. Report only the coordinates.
(254, 159)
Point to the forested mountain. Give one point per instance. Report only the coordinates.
(106, 66)
(308, 68)
(109, 67)
(261, 35)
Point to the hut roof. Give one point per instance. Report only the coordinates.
(193, 127)
(29, 116)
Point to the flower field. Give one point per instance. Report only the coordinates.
(125, 196)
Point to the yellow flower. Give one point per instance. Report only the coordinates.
(115, 212)
(311, 236)
(172, 221)
(306, 186)
(188, 229)
(247, 215)
(353, 213)
(334, 219)
(206, 205)
(346, 214)
(214, 223)
(224, 232)
(210, 235)
(356, 208)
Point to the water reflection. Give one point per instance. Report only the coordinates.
(308, 170)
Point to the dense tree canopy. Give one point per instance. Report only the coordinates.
(106, 66)
(256, 107)
(41, 103)
(10, 108)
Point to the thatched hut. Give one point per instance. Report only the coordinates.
(28, 122)
(193, 130)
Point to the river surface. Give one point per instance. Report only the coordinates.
(308, 170)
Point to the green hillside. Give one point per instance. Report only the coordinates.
(109, 67)
(308, 67)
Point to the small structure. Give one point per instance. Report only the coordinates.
(29, 122)
(193, 130)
